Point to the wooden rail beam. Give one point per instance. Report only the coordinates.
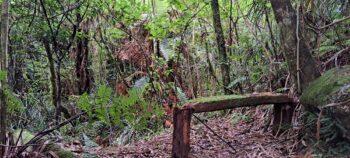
(283, 113)
(235, 101)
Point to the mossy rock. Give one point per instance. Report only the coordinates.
(61, 153)
(332, 87)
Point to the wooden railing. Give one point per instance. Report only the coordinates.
(283, 113)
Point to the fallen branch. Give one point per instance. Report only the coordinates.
(318, 125)
(41, 134)
(335, 56)
(14, 146)
(336, 104)
(334, 22)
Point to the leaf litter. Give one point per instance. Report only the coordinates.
(248, 137)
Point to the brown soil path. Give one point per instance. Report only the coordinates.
(248, 139)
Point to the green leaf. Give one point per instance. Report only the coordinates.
(103, 95)
(236, 81)
(3, 75)
(12, 102)
(84, 103)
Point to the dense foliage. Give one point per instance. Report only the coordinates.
(127, 63)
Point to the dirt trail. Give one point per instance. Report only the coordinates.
(248, 139)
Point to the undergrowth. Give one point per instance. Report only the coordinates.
(324, 136)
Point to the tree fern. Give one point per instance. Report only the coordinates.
(13, 103)
(131, 110)
(2, 75)
(84, 104)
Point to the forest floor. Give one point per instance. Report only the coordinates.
(249, 138)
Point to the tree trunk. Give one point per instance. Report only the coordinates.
(15, 73)
(307, 70)
(82, 60)
(53, 79)
(3, 67)
(59, 107)
(346, 11)
(225, 69)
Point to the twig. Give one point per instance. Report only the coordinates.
(14, 146)
(287, 80)
(19, 137)
(45, 132)
(211, 130)
(334, 22)
(318, 127)
(336, 104)
(66, 10)
(335, 56)
(298, 51)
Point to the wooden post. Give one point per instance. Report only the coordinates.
(283, 113)
(181, 134)
(283, 116)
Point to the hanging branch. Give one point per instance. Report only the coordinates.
(298, 51)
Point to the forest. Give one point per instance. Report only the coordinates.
(174, 78)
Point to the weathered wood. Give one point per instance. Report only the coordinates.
(283, 116)
(234, 101)
(181, 134)
(283, 113)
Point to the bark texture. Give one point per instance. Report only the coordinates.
(283, 108)
(15, 73)
(53, 79)
(3, 67)
(82, 59)
(181, 134)
(216, 103)
(286, 18)
(225, 69)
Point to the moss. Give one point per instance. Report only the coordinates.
(65, 154)
(89, 155)
(61, 153)
(215, 98)
(320, 91)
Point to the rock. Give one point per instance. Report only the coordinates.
(332, 87)
(88, 142)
